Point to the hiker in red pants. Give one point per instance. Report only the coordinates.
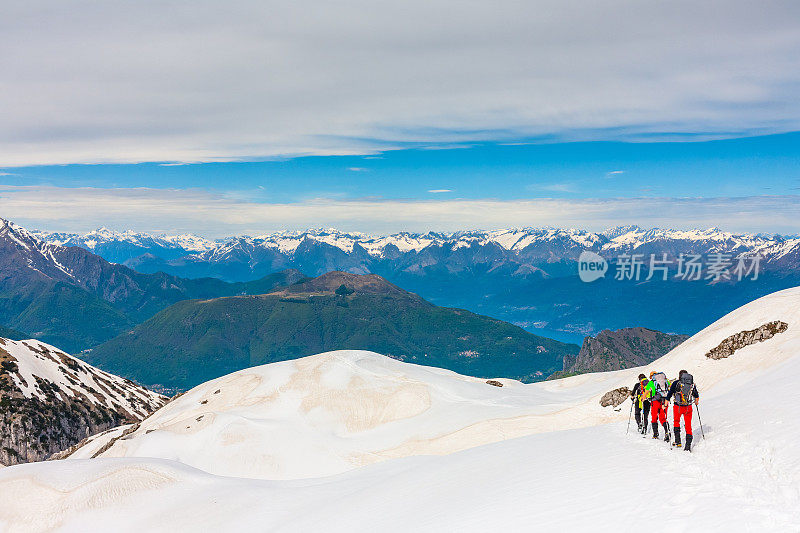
(684, 392)
(658, 389)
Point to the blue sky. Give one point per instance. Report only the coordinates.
(748, 184)
(766, 165)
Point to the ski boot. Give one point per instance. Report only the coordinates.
(677, 441)
(655, 430)
(666, 432)
(688, 446)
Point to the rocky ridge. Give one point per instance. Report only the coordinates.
(50, 401)
(745, 338)
(620, 349)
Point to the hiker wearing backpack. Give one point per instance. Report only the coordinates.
(685, 393)
(641, 402)
(658, 389)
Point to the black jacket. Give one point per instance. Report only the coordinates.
(637, 390)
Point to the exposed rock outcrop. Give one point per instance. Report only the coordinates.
(615, 397)
(618, 350)
(745, 338)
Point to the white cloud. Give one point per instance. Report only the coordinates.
(160, 210)
(439, 191)
(358, 169)
(612, 173)
(555, 187)
(157, 80)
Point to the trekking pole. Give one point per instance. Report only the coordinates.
(703, 433)
(629, 418)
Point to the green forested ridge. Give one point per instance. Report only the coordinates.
(196, 340)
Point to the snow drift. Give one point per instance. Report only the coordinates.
(191, 464)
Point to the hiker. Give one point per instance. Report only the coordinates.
(684, 392)
(641, 402)
(658, 389)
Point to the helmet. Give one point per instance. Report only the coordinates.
(653, 373)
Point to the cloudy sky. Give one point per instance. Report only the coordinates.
(227, 117)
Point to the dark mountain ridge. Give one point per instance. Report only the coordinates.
(196, 340)
(72, 298)
(620, 349)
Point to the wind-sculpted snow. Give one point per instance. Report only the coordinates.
(337, 411)
(343, 410)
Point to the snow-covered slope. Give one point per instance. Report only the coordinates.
(43, 371)
(333, 412)
(341, 410)
(52, 400)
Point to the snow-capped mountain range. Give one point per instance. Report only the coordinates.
(523, 276)
(184, 254)
(75, 299)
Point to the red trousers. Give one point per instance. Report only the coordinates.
(657, 413)
(686, 412)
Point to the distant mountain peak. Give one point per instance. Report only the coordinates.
(616, 231)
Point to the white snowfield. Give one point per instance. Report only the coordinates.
(289, 447)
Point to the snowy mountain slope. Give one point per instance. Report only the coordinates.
(745, 476)
(194, 341)
(337, 411)
(104, 239)
(20, 249)
(75, 299)
(67, 376)
(52, 400)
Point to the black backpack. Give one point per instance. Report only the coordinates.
(683, 394)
